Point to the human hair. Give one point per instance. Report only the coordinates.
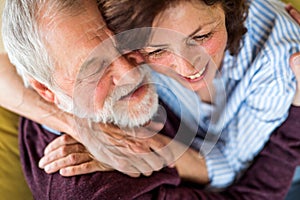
(23, 35)
(124, 15)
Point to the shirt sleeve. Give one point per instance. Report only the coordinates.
(265, 107)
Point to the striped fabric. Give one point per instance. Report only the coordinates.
(254, 92)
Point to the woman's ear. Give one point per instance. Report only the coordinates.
(43, 91)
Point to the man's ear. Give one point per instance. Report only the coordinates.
(43, 91)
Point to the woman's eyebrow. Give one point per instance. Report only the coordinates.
(201, 26)
(196, 31)
(156, 45)
(214, 22)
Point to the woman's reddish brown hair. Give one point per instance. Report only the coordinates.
(123, 15)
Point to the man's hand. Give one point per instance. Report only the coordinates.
(70, 158)
(133, 152)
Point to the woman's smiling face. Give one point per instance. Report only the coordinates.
(188, 43)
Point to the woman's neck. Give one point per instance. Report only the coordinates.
(207, 94)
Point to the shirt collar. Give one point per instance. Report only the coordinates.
(230, 68)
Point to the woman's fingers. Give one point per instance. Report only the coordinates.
(293, 12)
(295, 65)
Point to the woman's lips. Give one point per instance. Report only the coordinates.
(197, 76)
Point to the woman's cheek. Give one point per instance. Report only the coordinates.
(216, 48)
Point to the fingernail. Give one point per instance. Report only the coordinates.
(41, 164)
(47, 168)
(296, 60)
(171, 165)
(62, 172)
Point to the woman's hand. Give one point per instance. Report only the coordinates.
(295, 65)
(295, 58)
(293, 12)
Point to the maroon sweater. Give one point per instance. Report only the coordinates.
(268, 178)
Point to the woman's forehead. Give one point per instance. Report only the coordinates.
(186, 15)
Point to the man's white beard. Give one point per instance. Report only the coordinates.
(120, 113)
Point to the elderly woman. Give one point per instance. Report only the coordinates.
(191, 42)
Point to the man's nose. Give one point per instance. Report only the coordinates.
(135, 57)
(124, 72)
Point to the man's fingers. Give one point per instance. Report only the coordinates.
(159, 144)
(70, 160)
(58, 142)
(146, 131)
(154, 151)
(143, 158)
(128, 162)
(112, 131)
(155, 126)
(139, 165)
(155, 161)
(60, 153)
(85, 168)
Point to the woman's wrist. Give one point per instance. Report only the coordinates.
(296, 101)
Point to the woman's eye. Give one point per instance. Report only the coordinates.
(199, 39)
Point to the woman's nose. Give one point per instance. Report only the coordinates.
(182, 65)
(187, 59)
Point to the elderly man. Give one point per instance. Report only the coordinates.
(60, 36)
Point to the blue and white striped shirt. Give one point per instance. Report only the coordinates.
(258, 90)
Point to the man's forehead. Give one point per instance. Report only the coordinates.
(100, 32)
(71, 39)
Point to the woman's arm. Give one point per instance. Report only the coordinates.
(26, 102)
(293, 12)
(295, 65)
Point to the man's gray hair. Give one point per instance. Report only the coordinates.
(23, 38)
